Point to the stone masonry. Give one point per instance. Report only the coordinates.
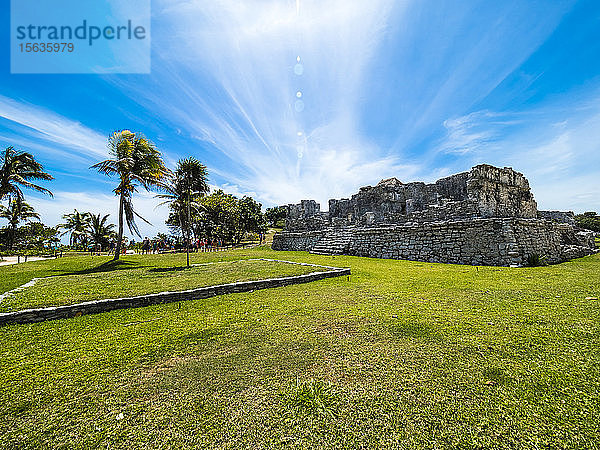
(486, 216)
(99, 306)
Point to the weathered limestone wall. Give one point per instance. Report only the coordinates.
(306, 215)
(500, 192)
(99, 306)
(484, 216)
(558, 216)
(498, 242)
(484, 191)
(494, 241)
(296, 241)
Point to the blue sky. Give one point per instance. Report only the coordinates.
(292, 99)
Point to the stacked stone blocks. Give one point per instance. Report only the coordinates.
(485, 216)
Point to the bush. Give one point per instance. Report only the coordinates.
(589, 221)
(535, 260)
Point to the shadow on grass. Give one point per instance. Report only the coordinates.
(410, 330)
(168, 269)
(108, 266)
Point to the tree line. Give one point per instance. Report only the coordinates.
(136, 163)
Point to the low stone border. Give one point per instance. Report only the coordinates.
(99, 306)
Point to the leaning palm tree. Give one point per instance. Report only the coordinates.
(20, 169)
(16, 212)
(77, 224)
(185, 186)
(135, 160)
(100, 231)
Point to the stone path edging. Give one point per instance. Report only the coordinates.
(99, 306)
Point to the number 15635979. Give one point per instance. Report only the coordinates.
(46, 47)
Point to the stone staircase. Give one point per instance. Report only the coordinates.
(333, 242)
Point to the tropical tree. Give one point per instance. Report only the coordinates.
(276, 216)
(184, 188)
(136, 161)
(99, 231)
(589, 220)
(20, 169)
(219, 217)
(250, 218)
(16, 212)
(77, 224)
(36, 235)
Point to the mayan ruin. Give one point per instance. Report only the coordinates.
(486, 216)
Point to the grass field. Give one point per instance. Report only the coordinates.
(126, 278)
(401, 355)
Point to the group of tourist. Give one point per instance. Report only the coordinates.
(155, 246)
(152, 246)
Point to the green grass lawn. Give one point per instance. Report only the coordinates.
(125, 279)
(401, 355)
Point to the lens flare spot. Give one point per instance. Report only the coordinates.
(299, 105)
(299, 94)
(298, 69)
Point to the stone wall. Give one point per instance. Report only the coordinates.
(296, 241)
(558, 216)
(493, 241)
(484, 191)
(500, 192)
(484, 216)
(304, 216)
(99, 306)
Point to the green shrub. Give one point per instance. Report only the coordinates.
(589, 220)
(535, 260)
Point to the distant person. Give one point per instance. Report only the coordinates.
(146, 246)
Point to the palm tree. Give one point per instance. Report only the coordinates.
(19, 169)
(185, 186)
(16, 212)
(77, 224)
(100, 231)
(135, 160)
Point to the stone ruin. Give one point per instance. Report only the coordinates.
(486, 216)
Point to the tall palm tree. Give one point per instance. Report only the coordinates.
(16, 212)
(20, 169)
(185, 186)
(100, 231)
(135, 160)
(77, 224)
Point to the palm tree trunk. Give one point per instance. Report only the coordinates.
(120, 237)
(11, 238)
(188, 230)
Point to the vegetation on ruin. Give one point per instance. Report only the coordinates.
(589, 220)
(402, 355)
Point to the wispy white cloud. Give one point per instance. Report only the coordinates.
(233, 78)
(56, 132)
(463, 134)
(556, 146)
(379, 82)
